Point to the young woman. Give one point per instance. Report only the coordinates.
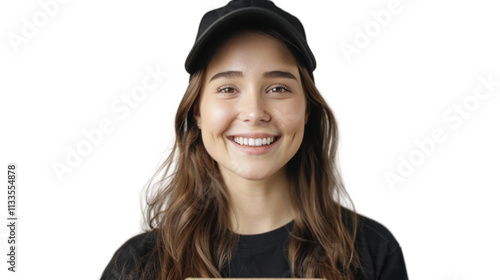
(251, 188)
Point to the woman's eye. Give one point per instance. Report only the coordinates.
(226, 90)
(279, 89)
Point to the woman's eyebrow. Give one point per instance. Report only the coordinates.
(279, 74)
(270, 74)
(227, 75)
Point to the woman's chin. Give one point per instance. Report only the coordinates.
(260, 173)
(257, 176)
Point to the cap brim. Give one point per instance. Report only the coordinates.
(248, 16)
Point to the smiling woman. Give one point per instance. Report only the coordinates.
(251, 188)
(251, 93)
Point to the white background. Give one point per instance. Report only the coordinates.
(394, 91)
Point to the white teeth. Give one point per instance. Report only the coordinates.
(253, 141)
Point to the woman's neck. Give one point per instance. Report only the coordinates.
(259, 206)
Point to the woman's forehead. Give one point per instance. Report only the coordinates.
(252, 51)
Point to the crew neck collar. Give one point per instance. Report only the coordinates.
(266, 237)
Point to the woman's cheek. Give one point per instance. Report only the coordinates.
(291, 114)
(219, 116)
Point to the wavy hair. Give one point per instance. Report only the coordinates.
(189, 204)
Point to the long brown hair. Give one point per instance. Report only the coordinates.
(188, 205)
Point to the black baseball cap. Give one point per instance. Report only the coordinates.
(249, 13)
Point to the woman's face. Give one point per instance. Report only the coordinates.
(252, 108)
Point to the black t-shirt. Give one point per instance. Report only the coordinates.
(264, 255)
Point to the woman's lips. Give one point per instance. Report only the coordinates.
(256, 145)
(248, 141)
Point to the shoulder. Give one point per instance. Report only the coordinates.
(135, 253)
(374, 233)
(380, 254)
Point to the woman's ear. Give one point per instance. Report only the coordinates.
(307, 114)
(196, 114)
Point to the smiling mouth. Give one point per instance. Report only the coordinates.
(245, 141)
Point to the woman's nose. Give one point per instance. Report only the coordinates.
(253, 108)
